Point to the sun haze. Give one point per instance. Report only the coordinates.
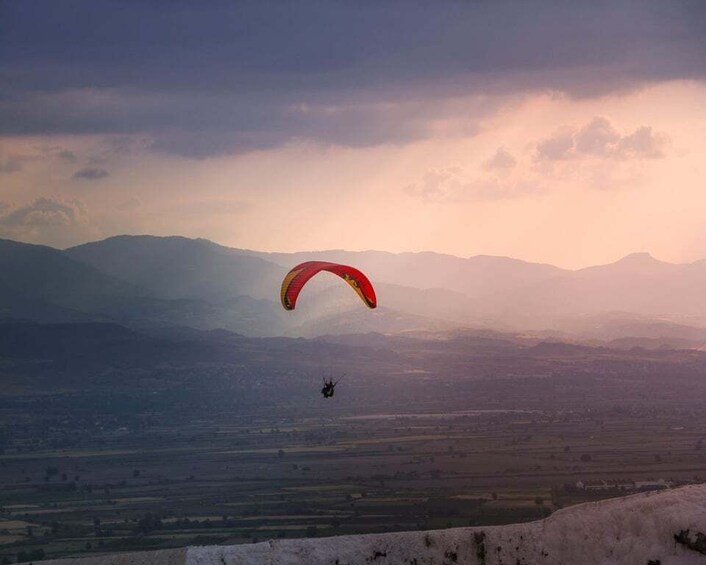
(549, 132)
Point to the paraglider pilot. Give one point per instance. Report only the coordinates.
(328, 388)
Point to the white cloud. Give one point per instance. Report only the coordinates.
(129, 205)
(642, 143)
(556, 147)
(215, 206)
(46, 211)
(502, 160)
(599, 138)
(60, 221)
(453, 184)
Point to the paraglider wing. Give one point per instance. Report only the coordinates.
(295, 280)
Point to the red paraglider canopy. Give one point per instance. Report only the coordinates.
(295, 280)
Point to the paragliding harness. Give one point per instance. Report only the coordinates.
(329, 387)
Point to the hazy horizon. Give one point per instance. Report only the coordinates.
(633, 254)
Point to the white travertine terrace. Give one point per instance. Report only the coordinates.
(638, 529)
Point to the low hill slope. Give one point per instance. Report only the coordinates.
(665, 528)
(178, 267)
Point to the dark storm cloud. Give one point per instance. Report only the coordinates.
(67, 156)
(90, 173)
(203, 78)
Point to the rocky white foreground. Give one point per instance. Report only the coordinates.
(659, 528)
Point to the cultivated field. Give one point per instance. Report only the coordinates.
(88, 471)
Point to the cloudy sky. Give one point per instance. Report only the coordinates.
(549, 131)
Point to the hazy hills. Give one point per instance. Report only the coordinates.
(474, 277)
(145, 281)
(177, 267)
(44, 284)
(637, 284)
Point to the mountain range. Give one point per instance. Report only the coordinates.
(146, 281)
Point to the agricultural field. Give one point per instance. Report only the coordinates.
(85, 473)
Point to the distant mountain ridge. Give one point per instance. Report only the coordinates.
(144, 281)
(177, 267)
(43, 284)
